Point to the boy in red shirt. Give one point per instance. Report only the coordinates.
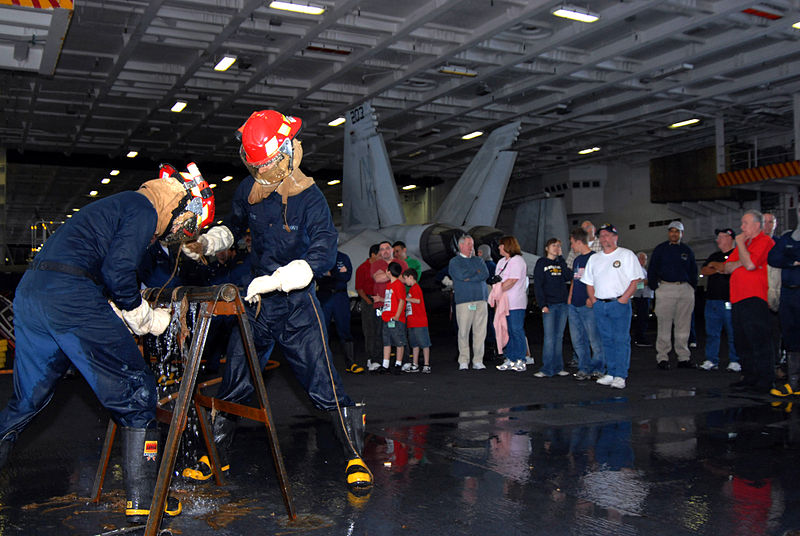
(394, 319)
(417, 321)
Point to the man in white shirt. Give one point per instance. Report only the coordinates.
(611, 277)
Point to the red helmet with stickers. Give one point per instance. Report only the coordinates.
(266, 136)
(195, 211)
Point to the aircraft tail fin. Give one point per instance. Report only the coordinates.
(478, 195)
(369, 192)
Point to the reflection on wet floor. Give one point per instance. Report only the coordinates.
(725, 465)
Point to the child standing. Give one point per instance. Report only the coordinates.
(417, 320)
(394, 319)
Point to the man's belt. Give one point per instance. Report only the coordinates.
(51, 266)
(662, 282)
(790, 286)
(606, 300)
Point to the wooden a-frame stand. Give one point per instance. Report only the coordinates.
(219, 300)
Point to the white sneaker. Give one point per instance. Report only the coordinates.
(734, 367)
(618, 383)
(529, 360)
(406, 367)
(505, 365)
(708, 365)
(519, 366)
(606, 380)
(563, 373)
(463, 366)
(373, 366)
(540, 374)
(692, 345)
(478, 366)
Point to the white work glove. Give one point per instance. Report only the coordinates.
(216, 239)
(144, 319)
(297, 274)
(447, 282)
(261, 285)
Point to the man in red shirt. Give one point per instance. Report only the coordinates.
(750, 312)
(371, 324)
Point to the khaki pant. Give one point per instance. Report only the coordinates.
(471, 316)
(674, 306)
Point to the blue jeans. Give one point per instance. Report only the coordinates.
(718, 316)
(614, 324)
(552, 351)
(583, 332)
(515, 348)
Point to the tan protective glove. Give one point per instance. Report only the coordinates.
(261, 285)
(144, 319)
(216, 239)
(295, 275)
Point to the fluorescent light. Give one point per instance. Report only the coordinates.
(457, 70)
(796, 25)
(684, 123)
(114, 172)
(589, 150)
(225, 63)
(409, 186)
(339, 205)
(106, 180)
(308, 9)
(575, 13)
(334, 182)
(68, 216)
(132, 154)
(472, 135)
(93, 193)
(227, 178)
(178, 106)
(212, 185)
(416, 153)
(76, 210)
(219, 222)
(336, 122)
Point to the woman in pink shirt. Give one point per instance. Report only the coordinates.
(513, 274)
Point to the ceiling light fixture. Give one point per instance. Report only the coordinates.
(336, 122)
(589, 150)
(333, 182)
(225, 63)
(409, 186)
(796, 25)
(114, 172)
(686, 123)
(76, 210)
(457, 70)
(340, 205)
(416, 153)
(308, 9)
(132, 154)
(227, 178)
(212, 185)
(105, 180)
(178, 106)
(93, 193)
(575, 13)
(472, 135)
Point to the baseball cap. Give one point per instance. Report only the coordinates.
(726, 230)
(607, 227)
(676, 225)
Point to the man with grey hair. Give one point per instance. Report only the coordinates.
(747, 265)
(470, 293)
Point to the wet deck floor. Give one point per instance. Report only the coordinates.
(477, 452)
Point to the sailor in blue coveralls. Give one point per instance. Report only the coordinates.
(76, 304)
(293, 241)
(332, 294)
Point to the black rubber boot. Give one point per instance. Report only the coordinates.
(142, 456)
(223, 429)
(349, 359)
(349, 428)
(6, 446)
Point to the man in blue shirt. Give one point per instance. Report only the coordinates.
(582, 325)
(470, 293)
(673, 276)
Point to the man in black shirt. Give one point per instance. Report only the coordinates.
(718, 305)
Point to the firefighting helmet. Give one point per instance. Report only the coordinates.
(267, 147)
(194, 211)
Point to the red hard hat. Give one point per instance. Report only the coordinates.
(264, 133)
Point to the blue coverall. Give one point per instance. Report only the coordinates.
(62, 315)
(332, 294)
(293, 320)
